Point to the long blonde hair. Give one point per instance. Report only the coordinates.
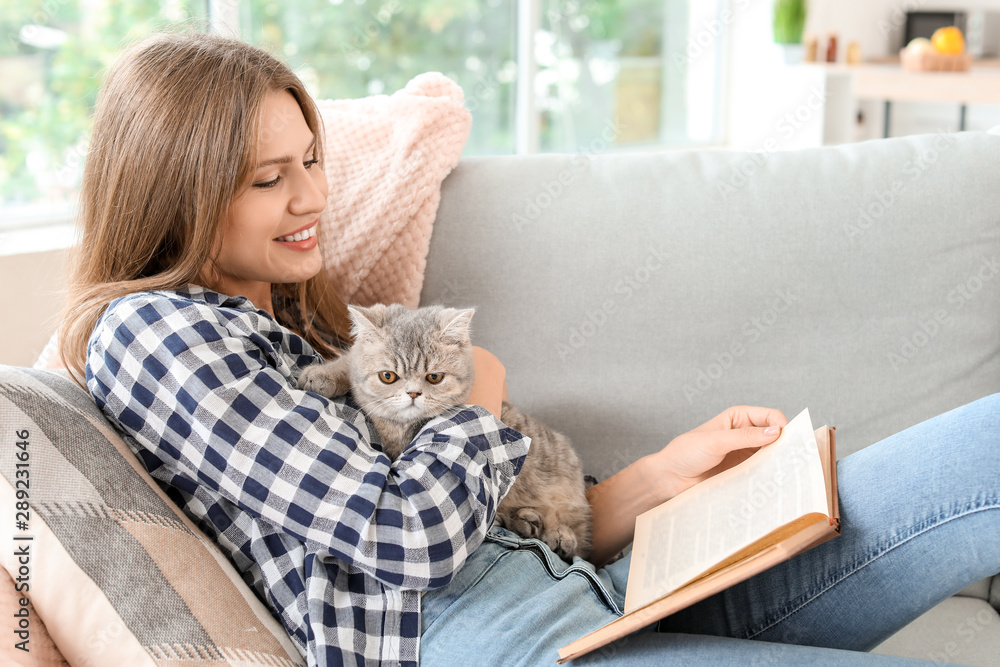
(174, 137)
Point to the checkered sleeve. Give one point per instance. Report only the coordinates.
(205, 393)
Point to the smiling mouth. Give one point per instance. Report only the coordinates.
(301, 235)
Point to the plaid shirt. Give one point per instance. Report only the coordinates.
(334, 537)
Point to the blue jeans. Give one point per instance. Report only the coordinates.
(920, 521)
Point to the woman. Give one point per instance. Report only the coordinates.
(197, 300)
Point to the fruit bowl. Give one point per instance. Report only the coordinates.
(926, 61)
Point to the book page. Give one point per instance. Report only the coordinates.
(702, 527)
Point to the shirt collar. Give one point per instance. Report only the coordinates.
(213, 298)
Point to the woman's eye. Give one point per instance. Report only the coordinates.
(268, 184)
(387, 377)
(277, 179)
(435, 378)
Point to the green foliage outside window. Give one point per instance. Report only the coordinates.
(349, 49)
(48, 89)
(53, 55)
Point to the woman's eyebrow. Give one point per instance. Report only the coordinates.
(284, 159)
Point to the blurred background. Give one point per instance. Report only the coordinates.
(573, 76)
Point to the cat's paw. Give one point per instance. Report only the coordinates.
(324, 380)
(562, 541)
(526, 522)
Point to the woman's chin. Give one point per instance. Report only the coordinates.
(308, 268)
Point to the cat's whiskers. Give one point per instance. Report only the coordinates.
(436, 405)
(377, 406)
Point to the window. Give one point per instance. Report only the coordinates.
(346, 48)
(52, 55)
(599, 72)
(539, 75)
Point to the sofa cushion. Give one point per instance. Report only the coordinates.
(959, 630)
(40, 650)
(117, 574)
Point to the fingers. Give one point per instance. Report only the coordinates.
(747, 436)
(739, 416)
(697, 455)
(721, 442)
(757, 416)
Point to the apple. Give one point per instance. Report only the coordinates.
(920, 45)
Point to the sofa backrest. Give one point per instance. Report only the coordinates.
(634, 296)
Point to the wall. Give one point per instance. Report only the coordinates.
(761, 94)
(32, 297)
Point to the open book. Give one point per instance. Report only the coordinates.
(772, 506)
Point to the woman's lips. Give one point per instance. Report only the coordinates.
(303, 239)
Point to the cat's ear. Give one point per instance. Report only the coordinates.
(367, 322)
(455, 324)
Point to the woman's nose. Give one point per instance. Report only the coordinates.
(311, 193)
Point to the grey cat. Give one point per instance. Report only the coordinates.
(407, 366)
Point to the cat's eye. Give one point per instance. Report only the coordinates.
(387, 376)
(435, 378)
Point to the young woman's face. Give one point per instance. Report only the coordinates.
(269, 235)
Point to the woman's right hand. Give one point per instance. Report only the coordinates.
(719, 444)
(716, 445)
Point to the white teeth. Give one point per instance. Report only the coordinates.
(299, 236)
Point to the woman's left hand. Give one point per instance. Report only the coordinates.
(490, 386)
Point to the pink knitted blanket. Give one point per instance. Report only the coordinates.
(385, 159)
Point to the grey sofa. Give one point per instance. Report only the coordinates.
(631, 297)
(634, 296)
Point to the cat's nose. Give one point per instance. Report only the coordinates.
(413, 394)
